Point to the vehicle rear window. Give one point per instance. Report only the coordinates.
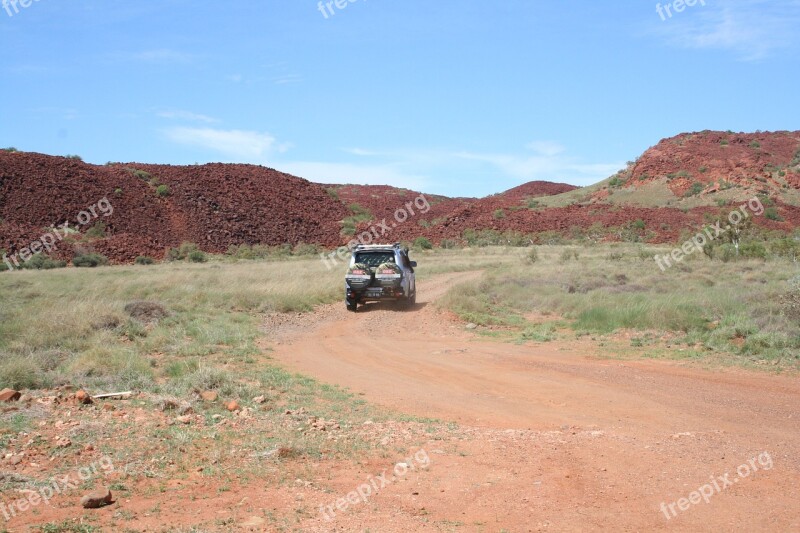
(374, 259)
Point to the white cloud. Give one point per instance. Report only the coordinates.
(750, 28)
(240, 144)
(547, 148)
(178, 114)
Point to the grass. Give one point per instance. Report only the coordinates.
(737, 308)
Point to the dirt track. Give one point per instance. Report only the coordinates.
(559, 439)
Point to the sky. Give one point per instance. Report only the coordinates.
(447, 96)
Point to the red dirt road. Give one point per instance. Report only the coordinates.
(555, 437)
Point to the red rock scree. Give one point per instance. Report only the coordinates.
(212, 205)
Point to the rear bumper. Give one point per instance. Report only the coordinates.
(375, 294)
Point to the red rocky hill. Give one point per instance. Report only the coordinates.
(213, 205)
(671, 188)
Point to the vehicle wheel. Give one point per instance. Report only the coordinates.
(352, 305)
(410, 302)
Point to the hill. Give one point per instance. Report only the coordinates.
(674, 187)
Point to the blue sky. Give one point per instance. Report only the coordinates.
(450, 97)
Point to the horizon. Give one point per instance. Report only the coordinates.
(450, 99)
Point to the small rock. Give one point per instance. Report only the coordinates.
(216, 417)
(209, 396)
(25, 398)
(185, 419)
(97, 499)
(185, 408)
(83, 397)
(259, 399)
(232, 405)
(88, 448)
(63, 442)
(9, 395)
(472, 326)
(17, 459)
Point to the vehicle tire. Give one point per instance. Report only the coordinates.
(352, 305)
(410, 302)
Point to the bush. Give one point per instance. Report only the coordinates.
(10, 149)
(19, 373)
(182, 252)
(771, 213)
(695, 189)
(306, 249)
(144, 260)
(197, 256)
(498, 214)
(89, 260)
(42, 262)
(162, 191)
(639, 224)
(755, 145)
(141, 174)
(422, 243)
(74, 157)
(753, 249)
(97, 231)
(533, 255)
(447, 244)
(616, 182)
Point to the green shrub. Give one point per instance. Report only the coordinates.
(753, 249)
(755, 145)
(42, 262)
(197, 256)
(305, 249)
(447, 244)
(694, 190)
(771, 213)
(141, 174)
(74, 157)
(616, 181)
(19, 373)
(117, 192)
(639, 224)
(144, 260)
(498, 214)
(89, 260)
(724, 142)
(181, 252)
(10, 149)
(97, 231)
(162, 191)
(422, 243)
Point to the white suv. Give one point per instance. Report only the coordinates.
(380, 272)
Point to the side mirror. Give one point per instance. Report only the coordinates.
(413, 264)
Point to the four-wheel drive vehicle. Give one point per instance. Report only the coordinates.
(380, 272)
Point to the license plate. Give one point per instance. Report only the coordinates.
(374, 294)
